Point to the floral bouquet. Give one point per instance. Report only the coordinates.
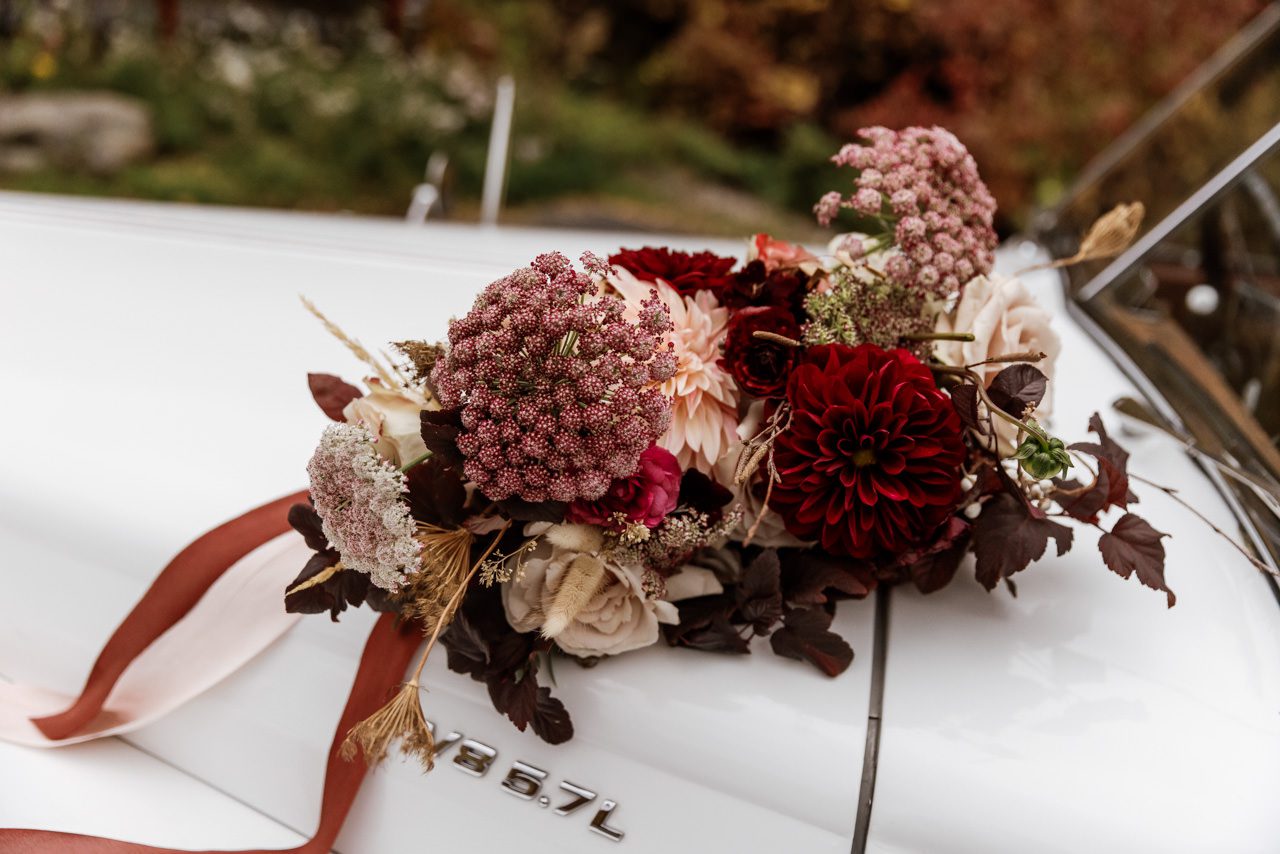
(672, 446)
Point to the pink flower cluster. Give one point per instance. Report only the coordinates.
(923, 186)
(558, 390)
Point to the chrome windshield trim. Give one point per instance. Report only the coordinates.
(1222, 62)
(1211, 190)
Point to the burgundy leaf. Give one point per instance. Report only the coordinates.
(1134, 546)
(380, 600)
(332, 394)
(512, 652)
(759, 593)
(440, 434)
(1086, 503)
(436, 494)
(468, 651)
(304, 519)
(1007, 537)
(520, 510)
(935, 571)
(964, 398)
(1018, 388)
(1112, 459)
(704, 624)
(515, 696)
(551, 719)
(342, 589)
(716, 634)
(932, 568)
(955, 529)
(810, 577)
(703, 494)
(806, 636)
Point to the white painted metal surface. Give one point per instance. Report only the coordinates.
(114, 790)
(160, 355)
(1083, 715)
(153, 360)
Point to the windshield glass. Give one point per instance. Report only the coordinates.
(1192, 309)
(1222, 109)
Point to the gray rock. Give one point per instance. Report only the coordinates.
(101, 132)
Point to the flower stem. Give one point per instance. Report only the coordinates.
(1011, 358)
(1173, 493)
(765, 335)
(422, 459)
(938, 336)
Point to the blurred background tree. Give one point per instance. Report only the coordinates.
(690, 115)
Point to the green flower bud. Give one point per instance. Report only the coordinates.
(1043, 457)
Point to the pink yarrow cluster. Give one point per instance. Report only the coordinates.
(558, 390)
(923, 186)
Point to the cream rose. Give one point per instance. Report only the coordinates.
(1004, 319)
(394, 417)
(618, 617)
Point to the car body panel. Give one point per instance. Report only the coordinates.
(154, 360)
(1083, 715)
(160, 362)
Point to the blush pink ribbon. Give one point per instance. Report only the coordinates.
(216, 605)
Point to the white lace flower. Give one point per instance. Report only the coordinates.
(357, 495)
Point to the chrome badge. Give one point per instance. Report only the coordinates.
(526, 782)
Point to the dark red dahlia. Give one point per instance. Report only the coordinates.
(756, 284)
(761, 367)
(871, 463)
(686, 272)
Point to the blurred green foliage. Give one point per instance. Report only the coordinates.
(249, 114)
(250, 111)
(677, 113)
(1034, 88)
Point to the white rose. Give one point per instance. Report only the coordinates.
(618, 618)
(394, 417)
(1004, 319)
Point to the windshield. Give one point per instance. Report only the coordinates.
(1173, 151)
(1192, 309)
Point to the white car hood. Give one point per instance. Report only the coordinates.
(154, 359)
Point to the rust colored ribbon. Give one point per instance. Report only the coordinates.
(386, 656)
(170, 598)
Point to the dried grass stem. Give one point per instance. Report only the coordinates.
(402, 718)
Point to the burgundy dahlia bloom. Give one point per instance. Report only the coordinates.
(687, 272)
(871, 463)
(645, 498)
(761, 367)
(757, 284)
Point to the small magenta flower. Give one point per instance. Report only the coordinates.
(558, 391)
